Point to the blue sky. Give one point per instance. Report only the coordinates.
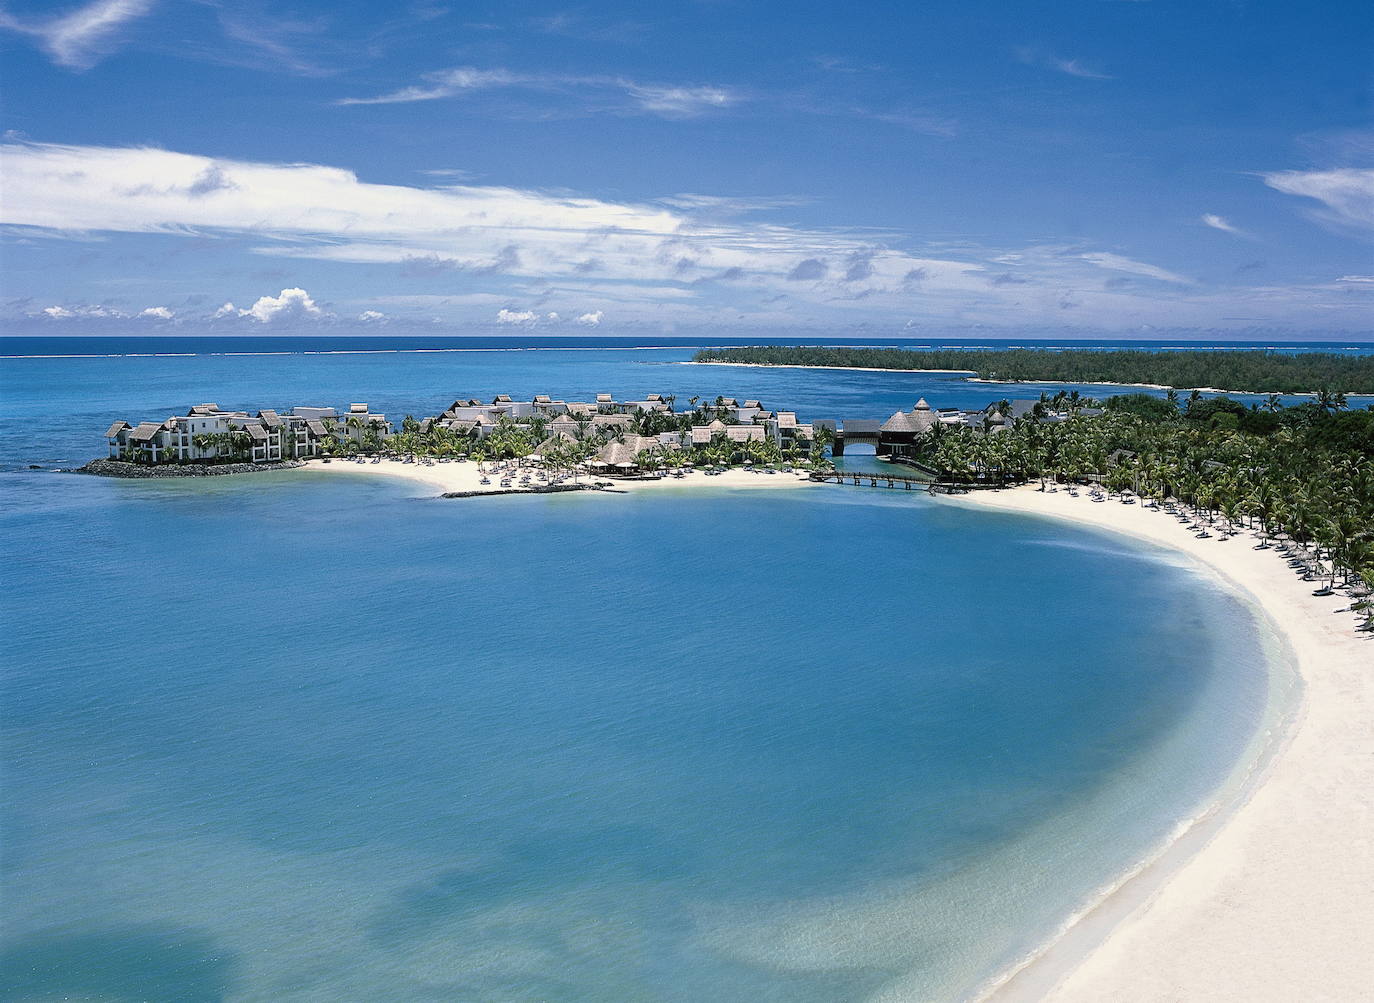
(1132, 167)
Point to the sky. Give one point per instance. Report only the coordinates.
(1089, 168)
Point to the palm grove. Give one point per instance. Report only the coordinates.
(1306, 472)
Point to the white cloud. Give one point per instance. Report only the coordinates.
(290, 303)
(77, 40)
(446, 84)
(505, 316)
(1346, 192)
(592, 319)
(648, 263)
(1117, 263)
(371, 316)
(89, 310)
(667, 100)
(1357, 279)
(679, 102)
(1073, 67)
(1221, 223)
(552, 317)
(157, 313)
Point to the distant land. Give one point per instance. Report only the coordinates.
(1234, 371)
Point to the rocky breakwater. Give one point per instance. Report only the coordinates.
(120, 468)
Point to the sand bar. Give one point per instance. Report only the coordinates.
(440, 478)
(1276, 900)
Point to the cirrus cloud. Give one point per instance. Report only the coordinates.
(1346, 193)
(78, 39)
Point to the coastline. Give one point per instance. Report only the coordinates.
(847, 369)
(1267, 895)
(464, 479)
(974, 378)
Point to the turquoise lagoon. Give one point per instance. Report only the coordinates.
(294, 737)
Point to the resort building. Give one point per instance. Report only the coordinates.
(207, 433)
(898, 435)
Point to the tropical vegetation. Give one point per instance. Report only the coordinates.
(1236, 371)
(1305, 473)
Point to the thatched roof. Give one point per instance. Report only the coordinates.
(787, 419)
(316, 427)
(116, 428)
(615, 453)
(557, 440)
(899, 422)
(270, 418)
(145, 431)
(746, 433)
(258, 433)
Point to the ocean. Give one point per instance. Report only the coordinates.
(289, 737)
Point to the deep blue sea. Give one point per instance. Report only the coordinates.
(292, 737)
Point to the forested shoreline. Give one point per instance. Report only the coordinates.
(1238, 371)
(1304, 472)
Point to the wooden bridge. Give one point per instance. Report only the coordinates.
(861, 478)
(874, 480)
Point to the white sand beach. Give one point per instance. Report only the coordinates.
(851, 369)
(1272, 897)
(446, 477)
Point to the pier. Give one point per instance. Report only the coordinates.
(873, 480)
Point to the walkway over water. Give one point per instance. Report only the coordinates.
(873, 479)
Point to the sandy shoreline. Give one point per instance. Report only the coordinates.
(1011, 383)
(848, 369)
(446, 477)
(1271, 899)
(1270, 896)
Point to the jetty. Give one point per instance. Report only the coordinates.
(873, 479)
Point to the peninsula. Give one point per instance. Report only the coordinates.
(1325, 374)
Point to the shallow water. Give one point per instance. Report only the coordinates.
(303, 737)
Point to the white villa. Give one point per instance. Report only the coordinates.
(207, 432)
